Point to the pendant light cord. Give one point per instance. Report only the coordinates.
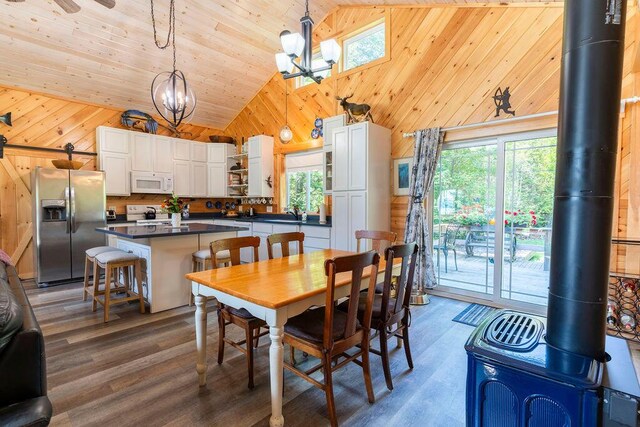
(306, 6)
(171, 34)
(286, 103)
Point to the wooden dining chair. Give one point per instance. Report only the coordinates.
(284, 239)
(240, 317)
(379, 241)
(393, 320)
(327, 333)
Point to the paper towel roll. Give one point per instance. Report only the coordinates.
(323, 213)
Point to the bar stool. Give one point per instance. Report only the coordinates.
(110, 261)
(199, 261)
(90, 259)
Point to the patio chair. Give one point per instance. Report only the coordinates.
(448, 243)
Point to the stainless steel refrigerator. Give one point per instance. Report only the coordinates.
(68, 206)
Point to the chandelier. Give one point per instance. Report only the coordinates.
(298, 46)
(172, 97)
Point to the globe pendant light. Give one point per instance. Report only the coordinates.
(285, 133)
(296, 45)
(172, 96)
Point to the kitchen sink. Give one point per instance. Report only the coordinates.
(292, 221)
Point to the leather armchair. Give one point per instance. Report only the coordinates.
(23, 378)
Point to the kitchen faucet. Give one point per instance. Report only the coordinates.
(295, 212)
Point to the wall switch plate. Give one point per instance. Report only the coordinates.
(269, 209)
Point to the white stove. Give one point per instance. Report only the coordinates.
(136, 213)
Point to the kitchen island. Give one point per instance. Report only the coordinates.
(166, 254)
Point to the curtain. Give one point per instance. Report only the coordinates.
(428, 144)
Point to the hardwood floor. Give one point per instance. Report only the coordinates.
(140, 370)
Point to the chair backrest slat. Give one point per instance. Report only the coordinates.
(377, 239)
(355, 264)
(284, 239)
(233, 245)
(408, 254)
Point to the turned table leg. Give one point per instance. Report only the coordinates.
(276, 356)
(201, 338)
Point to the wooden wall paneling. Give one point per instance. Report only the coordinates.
(45, 121)
(446, 63)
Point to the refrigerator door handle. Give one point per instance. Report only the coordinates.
(67, 209)
(73, 210)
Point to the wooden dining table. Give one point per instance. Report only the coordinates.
(274, 291)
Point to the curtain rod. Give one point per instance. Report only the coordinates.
(623, 104)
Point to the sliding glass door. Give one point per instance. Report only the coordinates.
(492, 206)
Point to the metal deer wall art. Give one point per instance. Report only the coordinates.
(355, 112)
(501, 99)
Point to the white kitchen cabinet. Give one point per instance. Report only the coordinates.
(328, 125)
(181, 149)
(217, 180)
(182, 178)
(341, 161)
(114, 159)
(198, 179)
(217, 153)
(246, 254)
(199, 152)
(141, 152)
(260, 166)
(361, 182)
(357, 157)
(163, 154)
(316, 238)
(113, 140)
(340, 221)
(217, 166)
(117, 173)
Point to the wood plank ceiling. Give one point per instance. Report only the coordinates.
(107, 56)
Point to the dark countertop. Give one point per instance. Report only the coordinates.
(150, 231)
(313, 220)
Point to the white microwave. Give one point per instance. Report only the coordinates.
(150, 182)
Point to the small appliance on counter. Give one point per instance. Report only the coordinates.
(142, 214)
(111, 213)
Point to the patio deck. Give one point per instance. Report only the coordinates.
(524, 279)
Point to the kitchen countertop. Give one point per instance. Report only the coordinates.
(150, 231)
(265, 218)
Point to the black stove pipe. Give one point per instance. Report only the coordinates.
(591, 80)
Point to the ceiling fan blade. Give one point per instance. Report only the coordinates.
(68, 6)
(110, 4)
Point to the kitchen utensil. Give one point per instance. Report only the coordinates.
(233, 205)
(151, 214)
(67, 164)
(222, 139)
(218, 204)
(209, 204)
(263, 201)
(227, 205)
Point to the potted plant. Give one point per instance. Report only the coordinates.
(174, 206)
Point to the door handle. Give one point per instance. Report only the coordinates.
(67, 208)
(73, 210)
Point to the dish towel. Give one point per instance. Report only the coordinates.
(4, 257)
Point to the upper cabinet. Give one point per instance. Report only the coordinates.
(199, 152)
(114, 159)
(163, 154)
(113, 140)
(328, 125)
(260, 166)
(181, 149)
(141, 147)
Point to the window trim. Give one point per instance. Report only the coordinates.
(500, 140)
(359, 35)
(308, 171)
(337, 71)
